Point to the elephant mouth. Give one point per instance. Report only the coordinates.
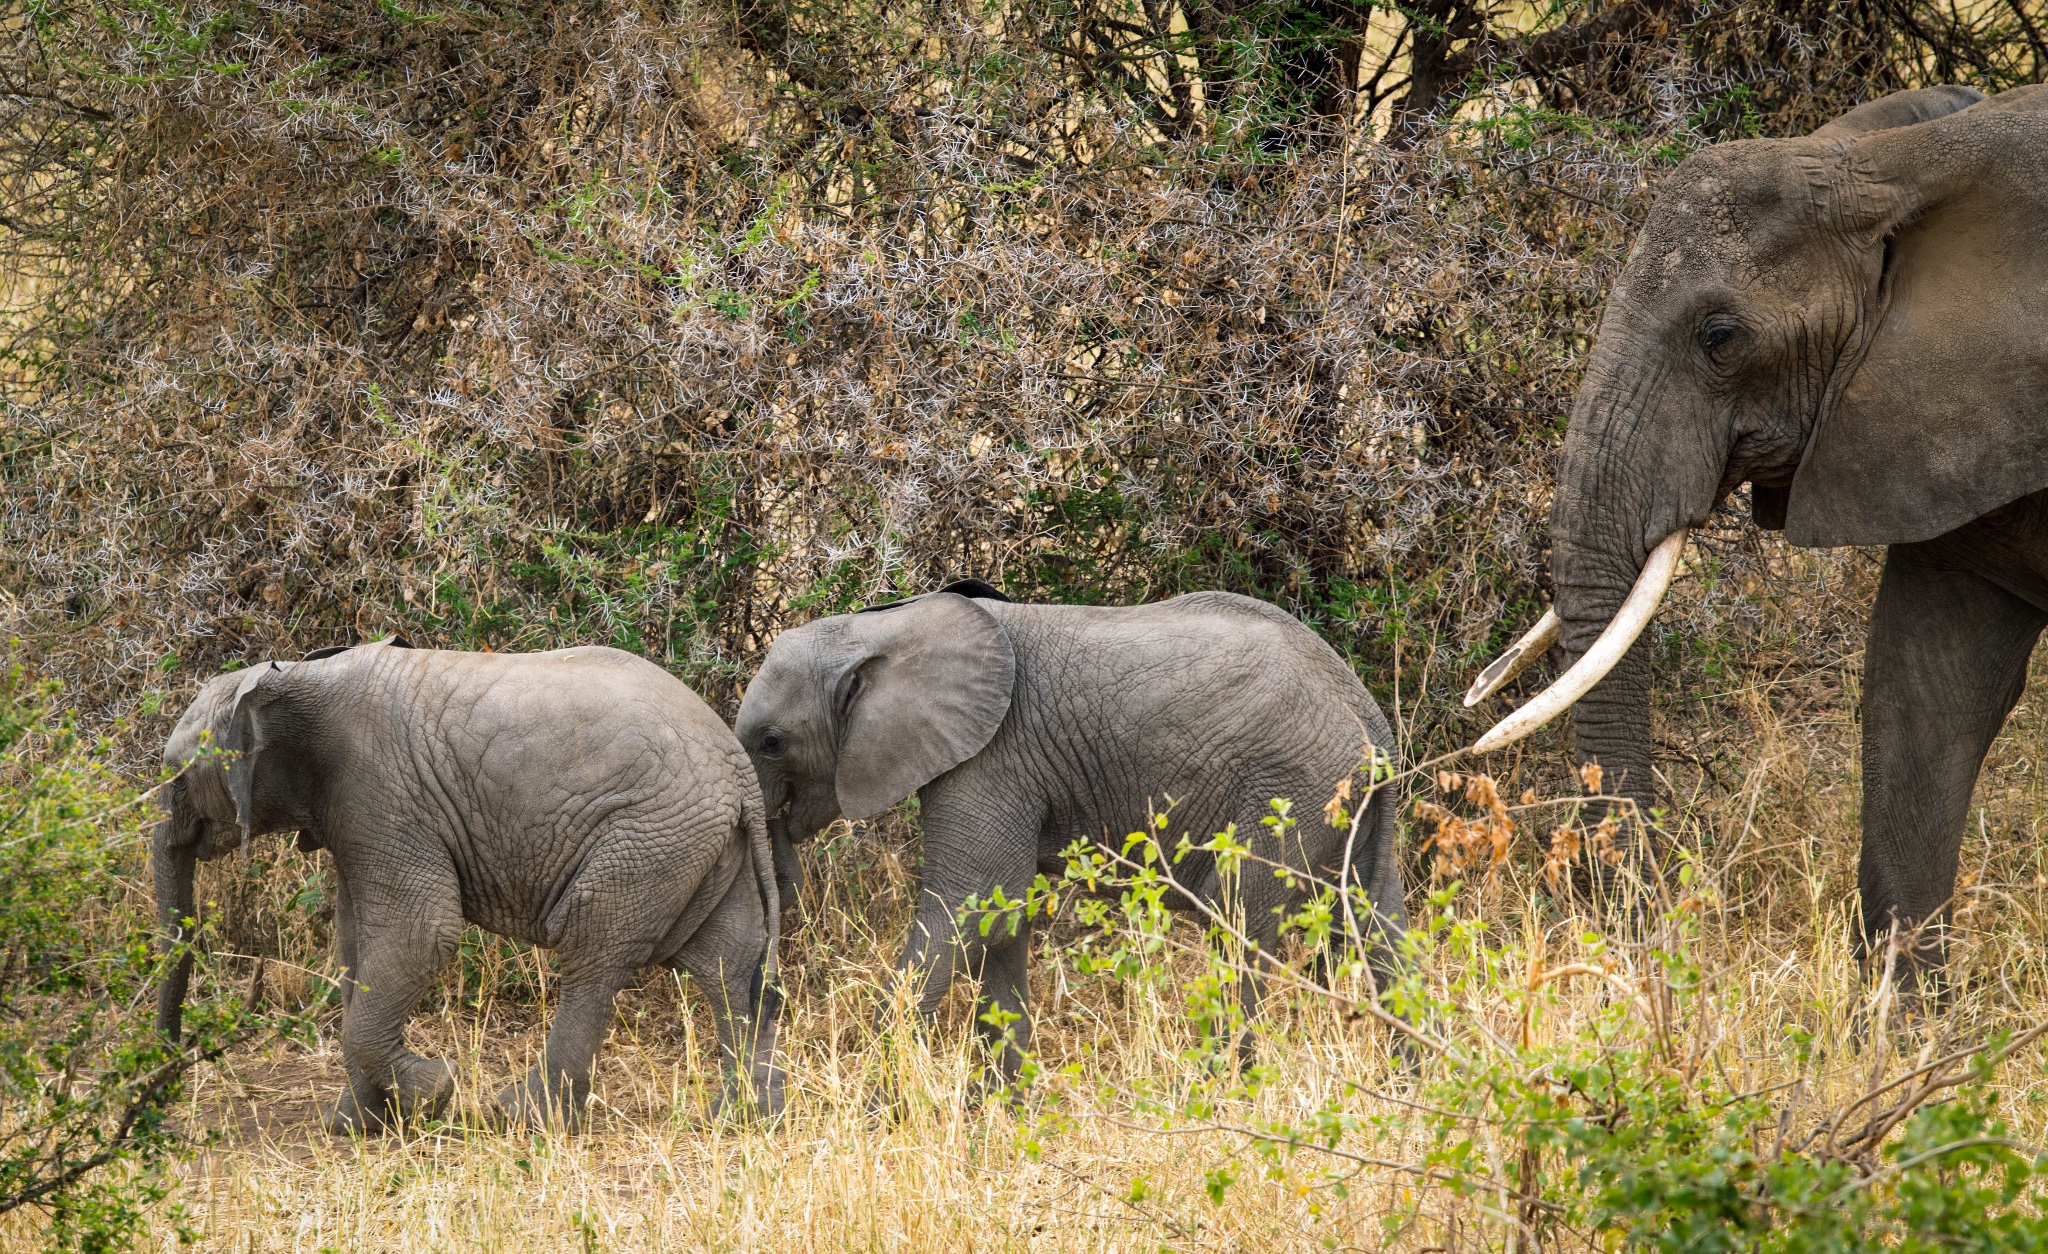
(1614, 642)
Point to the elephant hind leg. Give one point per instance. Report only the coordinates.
(727, 957)
(556, 1089)
(610, 922)
(1945, 663)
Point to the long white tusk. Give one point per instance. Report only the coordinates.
(1634, 615)
(1518, 658)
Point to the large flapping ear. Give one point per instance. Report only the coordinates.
(245, 740)
(1901, 108)
(1769, 503)
(924, 689)
(1940, 413)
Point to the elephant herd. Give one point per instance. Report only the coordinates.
(586, 801)
(1854, 323)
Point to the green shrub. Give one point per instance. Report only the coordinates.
(85, 1081)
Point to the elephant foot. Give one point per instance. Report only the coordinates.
(421, 1088)
(761, 1102)
(532, 1104)
(349, 1117)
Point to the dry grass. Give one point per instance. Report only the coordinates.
(1772, 819)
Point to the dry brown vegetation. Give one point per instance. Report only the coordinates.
(669, 327)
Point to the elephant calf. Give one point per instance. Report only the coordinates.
(583, 800)
(1026, 727)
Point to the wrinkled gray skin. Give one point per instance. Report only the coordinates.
(1026, 727)
(1856, 323)
(584, 801)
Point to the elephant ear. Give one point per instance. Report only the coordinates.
(245, 739)
(1901, 108)
(1940, 413)
(928, 684)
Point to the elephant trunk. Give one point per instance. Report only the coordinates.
(1629, 487)
(173, 857)
(789, 869)
(1616, 640)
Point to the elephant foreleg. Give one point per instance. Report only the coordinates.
(973, 859)
(933, 957)
(395, 964)
(1002, 1015)
(1945, 663)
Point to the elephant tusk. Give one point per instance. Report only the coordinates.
(1518, 658)
(1634, 615)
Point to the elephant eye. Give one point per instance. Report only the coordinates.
(1715, 335)
(772, 744)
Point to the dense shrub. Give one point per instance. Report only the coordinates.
(85, 1081)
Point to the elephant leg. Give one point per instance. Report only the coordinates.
(607, 924)
(557, 1088)
(1945, 663)
(399, 948)
(344, 935)
(1257, 900)
(728, 960)
(1376, 868)
(975, 848)
(1002, 1014)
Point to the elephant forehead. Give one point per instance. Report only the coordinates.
(1729, 188)
(790, 672)
(203, 714)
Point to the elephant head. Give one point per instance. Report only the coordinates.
(849, 715)
(213, 757)
(1851, 321)
(233, 777)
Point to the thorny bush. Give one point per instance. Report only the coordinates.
(668, 326)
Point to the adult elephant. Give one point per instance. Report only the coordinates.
(1855, 322)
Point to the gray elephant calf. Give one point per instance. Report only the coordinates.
(1026, 727)
(583, 800)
